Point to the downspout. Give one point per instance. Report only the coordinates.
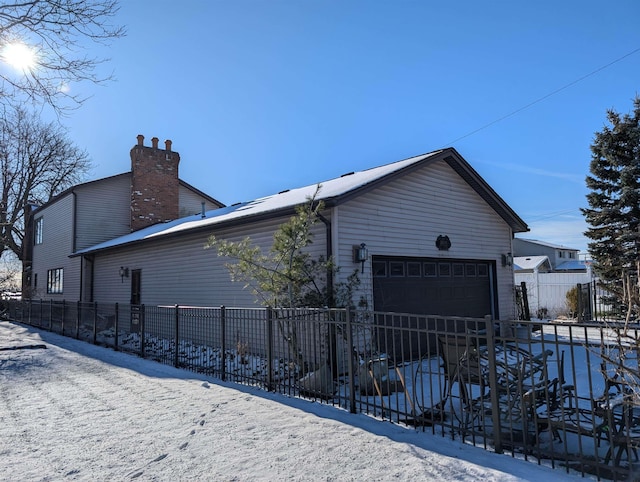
(73, 241)
(75, 221)
(329, 254)
(333, 357)
(90, 259)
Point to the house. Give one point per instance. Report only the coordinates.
(561, 258)
(97, 211)
(548, 271)
(432, 232)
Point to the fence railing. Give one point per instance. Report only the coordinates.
(556, 393)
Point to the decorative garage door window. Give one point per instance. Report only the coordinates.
(416, 269)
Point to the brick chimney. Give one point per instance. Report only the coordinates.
(154, 184)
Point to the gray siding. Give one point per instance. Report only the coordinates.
(405, 216)
(191, 203)
(103, 211)
(53, 253)
(181, 271)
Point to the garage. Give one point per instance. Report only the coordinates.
(433, 286)
(429, 286)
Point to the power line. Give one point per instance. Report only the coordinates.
(544, 97)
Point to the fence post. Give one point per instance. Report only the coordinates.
(493, 385)
(270, 349)
(95, 322)
(352, 383)
(64, 304)
(525, 301)
(177, 337)
(142, 317)
(223, 334)
(594, 315)
(115, 326)
(78, 308)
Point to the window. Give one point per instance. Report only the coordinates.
(413, 269)
(55, 278)
(572, 255)
(560, 254)
(379, 269)
(39, 224)
(396, 268)
(430, 270)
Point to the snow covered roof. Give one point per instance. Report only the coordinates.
(529, 263)
(572, 265)
(331, 192)
(548, 245)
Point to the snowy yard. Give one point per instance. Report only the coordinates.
(74, 411)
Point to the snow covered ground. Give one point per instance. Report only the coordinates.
(74, 411)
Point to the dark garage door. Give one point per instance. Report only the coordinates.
(432, 286)
(428, 287)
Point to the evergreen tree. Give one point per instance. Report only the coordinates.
(288, 276)
(614, 206)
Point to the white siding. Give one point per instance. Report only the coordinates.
(53, 253)
(405, 216)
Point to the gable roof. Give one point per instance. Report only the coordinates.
(547, 245)
(332, 192)
(529, 263)
(182, 183)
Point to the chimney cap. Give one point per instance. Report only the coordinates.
(167, 144)
(154, 142)
(140, 140)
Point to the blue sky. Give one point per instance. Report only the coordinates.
(261, 96)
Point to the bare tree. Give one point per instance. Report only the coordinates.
(55, 34)
(37, 162)
(10, 270)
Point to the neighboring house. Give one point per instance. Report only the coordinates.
(435, 235)
(560, 257)
(549, 271)
(97, 211)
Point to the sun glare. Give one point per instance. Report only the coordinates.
(19, 56)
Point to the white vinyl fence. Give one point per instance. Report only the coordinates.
(547, 292)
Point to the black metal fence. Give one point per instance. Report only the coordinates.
(560, 394)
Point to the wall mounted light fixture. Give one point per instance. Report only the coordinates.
(507, 259)
(124, 273)
(360, 254)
